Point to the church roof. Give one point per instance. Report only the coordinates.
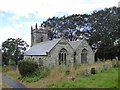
(74, 44)
(42, 48)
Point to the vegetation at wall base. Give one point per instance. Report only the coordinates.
(105, 79)
(57, 77)
(36, 76)
(27, 67)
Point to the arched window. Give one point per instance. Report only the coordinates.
(84, 56)
(62, 56)
(41, 39)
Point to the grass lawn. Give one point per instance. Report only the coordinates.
(105, 79)
(58, 78)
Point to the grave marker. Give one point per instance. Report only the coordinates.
(86, 72)
(93, 71)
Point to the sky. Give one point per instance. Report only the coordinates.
(17, 16)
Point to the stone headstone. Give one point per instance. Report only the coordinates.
(117, 62)
(86, 72)
(114, 63)
(104, 60)
(98, 59)
(105, 67)
(98, 69)
(93, 71)
(108, 66)
(116, 58)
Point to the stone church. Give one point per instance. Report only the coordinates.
(59, 51)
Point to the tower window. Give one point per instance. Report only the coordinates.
(41, 39)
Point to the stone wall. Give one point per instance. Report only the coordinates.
(52, 59)
(90, 54)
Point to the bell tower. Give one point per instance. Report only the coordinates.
(38, 35)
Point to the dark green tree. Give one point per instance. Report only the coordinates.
(13, 49)
(100, 27)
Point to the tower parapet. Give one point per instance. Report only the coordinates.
(39, 35)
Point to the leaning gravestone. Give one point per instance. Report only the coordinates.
(86, 72)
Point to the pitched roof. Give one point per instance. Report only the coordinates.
(42, 48)
(74, 44)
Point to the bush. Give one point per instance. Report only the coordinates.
(27, 67)
(37, 75)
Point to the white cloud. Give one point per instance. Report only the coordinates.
(43, 9)
(29, 24)
(14, 18)
(9, 32)
(26, 25)
(48, 8)
(2, 15)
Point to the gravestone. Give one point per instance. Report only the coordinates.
(98, 59)
(114, 63)
(108, 66)
(93, 71)
(117, 62)
(86, 72)
(98, 69)
(105, 66)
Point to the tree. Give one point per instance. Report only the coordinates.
(13, 49)
(101, 28)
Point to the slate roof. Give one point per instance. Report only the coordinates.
(74, 44)
(42, 48)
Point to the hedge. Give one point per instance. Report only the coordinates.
(27, 67)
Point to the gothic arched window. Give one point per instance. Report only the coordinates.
(84, 56)
(62, 56)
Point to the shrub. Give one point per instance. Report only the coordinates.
(27, 67)
(37, 75)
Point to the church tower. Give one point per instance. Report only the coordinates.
(38, 35)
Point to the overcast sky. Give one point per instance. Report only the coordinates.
(17, 16)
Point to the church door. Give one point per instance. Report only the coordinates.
(84, 56)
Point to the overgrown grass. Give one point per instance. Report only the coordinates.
(7, 68)
(106, 79)
(57, 77)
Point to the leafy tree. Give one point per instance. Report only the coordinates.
(101, 29)
(13, 49)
